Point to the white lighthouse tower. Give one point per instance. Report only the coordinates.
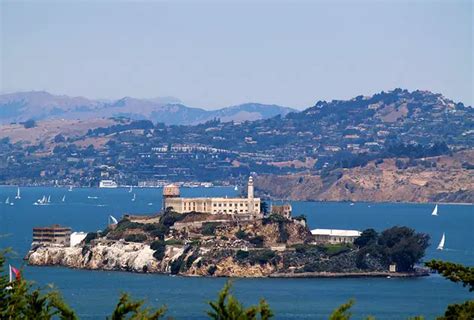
(250, 195)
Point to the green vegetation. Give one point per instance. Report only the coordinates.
(160, 248)
(241, 255)
(399, 245)
(262, 256)
(137, 237)
(209, 228)
(174, 242)
(90, 236)
(227, 307)
(456, 273)
(335, 249)
(241, 234)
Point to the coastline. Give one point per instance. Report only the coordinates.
(314, 275)
(267, 198)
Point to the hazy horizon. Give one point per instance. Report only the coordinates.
(212, 55)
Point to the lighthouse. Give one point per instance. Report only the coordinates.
(250, 195)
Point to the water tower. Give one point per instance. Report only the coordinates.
(169, 191)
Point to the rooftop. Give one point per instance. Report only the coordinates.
(336, 232)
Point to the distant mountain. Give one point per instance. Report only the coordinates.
(40, 105)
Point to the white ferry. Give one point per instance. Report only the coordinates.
(107, 184)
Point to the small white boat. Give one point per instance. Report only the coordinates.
(441, 243)
(70, 189)
(236, 188)
(352, 203)
(41, 202)
(435, 211)
(134, 197)
(7, 200)
(18, 196)
(107, 184)
(49, 199)
(150, 203)
(92, 197)
(63, 199)
(130, 190)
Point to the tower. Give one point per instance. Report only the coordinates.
(169, 191)
(250, 195)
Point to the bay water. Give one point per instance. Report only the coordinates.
(93, 294)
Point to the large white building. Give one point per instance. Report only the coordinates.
(217, 205)
(334, 236)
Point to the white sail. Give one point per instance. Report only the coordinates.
(131, 189)
(64, 198)
(441, 243)
(7, 201)
(236, 188)
(70, 188)
(435, 211)
(134, 197)
(112, 220)
(49, 199)
(18, 196)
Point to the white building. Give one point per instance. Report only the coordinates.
(217, 205)
(334, 236)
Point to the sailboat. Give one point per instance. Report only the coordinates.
(70, 188)
(112, 220)
(49, 199)
(435, 211)
(134, 197)
(130, 190)
(236, 188)
(18, 196)
(63, 199)
(7, 201)
(441, 243)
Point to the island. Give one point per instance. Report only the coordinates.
(230, 237)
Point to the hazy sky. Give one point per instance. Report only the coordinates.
(218, 53)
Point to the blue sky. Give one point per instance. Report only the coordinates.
(218, 53)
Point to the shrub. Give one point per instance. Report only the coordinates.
(257, 241)
(159, 232)
(138, 237)
(172, 242)
(90, 236)
(241, 255)
(241, 234)
(209, 228)
(211, 270)
(177, 265)
(29, 124)
(261, 256)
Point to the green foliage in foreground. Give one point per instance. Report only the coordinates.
(456, 273)
(19, 300)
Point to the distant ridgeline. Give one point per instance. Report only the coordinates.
(414, 128)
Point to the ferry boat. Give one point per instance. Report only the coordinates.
(107, 184)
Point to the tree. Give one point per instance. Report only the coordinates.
(29, 124)
(368, 236)
(135, 310)
(401, 245)
(227, 307)
(456, 273)
(19, 301)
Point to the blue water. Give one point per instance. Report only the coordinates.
(93, 294)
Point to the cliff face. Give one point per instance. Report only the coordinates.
(136, 257)
(449, 181)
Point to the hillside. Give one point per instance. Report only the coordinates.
(387, 136)
(446, 179)
(40, 105)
